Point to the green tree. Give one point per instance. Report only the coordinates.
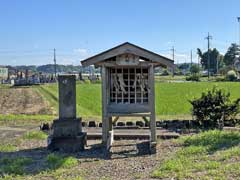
(231, 53)
(214, 59)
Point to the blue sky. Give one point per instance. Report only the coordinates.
(29, 30)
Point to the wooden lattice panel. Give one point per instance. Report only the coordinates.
(129, 85)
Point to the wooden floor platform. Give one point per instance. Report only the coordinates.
(96, 133)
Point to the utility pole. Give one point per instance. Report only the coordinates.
(173, 57)
(190, 61)
(218, 59)
(55, 65)
(238, 18)
(208, 39)
(173, 53)
(199, 64)
(191, 58)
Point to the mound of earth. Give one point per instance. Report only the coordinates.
(25, 100)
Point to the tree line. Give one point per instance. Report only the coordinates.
(217, 61)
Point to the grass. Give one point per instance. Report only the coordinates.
(14, 117)
(4, 86)
(208, 155)
(171, 98)
(14, 165)
(169, 78)
(88, 98)
(38, 135)
(7, 148)
(56, 161)
(23, 119)
(49, 93)
(55, 166)
(183, 78)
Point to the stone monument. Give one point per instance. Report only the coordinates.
(66, 134)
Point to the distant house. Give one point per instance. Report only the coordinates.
(3, 73)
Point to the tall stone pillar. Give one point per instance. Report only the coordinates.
(67, 132)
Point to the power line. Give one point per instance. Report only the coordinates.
(208, 39)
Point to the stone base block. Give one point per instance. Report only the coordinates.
(66, 127)
(153, 147)
(67, 144)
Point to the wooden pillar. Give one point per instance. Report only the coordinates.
(104, 106)
(153, 137)
(109, 133)
(110, 120)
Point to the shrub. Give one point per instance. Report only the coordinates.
(178, 72)
(193, 77)
(215, 107)
(220, 79)
(231, 75)
(224, 70)
(194, 69)
(165, 72)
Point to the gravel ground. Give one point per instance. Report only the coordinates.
(129, 158)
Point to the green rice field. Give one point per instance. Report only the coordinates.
(171, 98)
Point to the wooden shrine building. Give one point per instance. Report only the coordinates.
(127, 73)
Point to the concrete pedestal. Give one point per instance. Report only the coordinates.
(67, 144)
(67, 136)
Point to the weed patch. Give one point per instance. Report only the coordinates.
(7, 148)
(15, 166)
(204, 154)
(38, 135)
(56, 161)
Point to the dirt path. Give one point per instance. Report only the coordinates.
(22, 101)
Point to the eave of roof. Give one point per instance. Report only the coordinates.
(90, 60)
